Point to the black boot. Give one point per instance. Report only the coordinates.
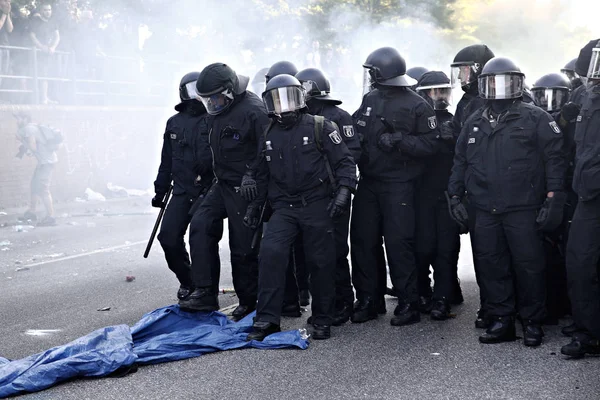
(532, 334)
(321, 332)
(457, 296)
(440, 310)
(304, 297)
(364, 310)
(342, 314)
(581, 344)
(569, 330)
(501, 329)
(242, 310)
(483, 320)
(425, 304)
(201, 299)
(291, 310)
(406, 314)
(184, 292)
(261, 330)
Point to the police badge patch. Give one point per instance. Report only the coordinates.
(555, 127)
(348, 130)
(432, 122)
(335, 137)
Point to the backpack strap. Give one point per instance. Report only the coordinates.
(319, 124)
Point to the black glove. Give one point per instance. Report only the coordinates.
(339, 204)
(458, 212)
(550, 215)
(252, 216)
(388, 141)
(570, 111)
(248, 188)
(447, 131)
(158, 200)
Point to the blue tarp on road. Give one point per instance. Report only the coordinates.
(163, 335)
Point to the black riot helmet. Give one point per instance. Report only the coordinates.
(316, 85)
(386, 67)
(279, 68)
(594, 68)
(258, 82)
(435, 87)
(416, 72)
(501, 79)
(187, 89)
(217, 86)
(551, 92)
(584, 61)
(284, 94)
(468, 64)
(569, 71)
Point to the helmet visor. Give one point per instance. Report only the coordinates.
(218, 102)
(284, 99)
(462, 75)
(368, 82)
(189, 92)
(499, 87)
(594, 69)
(550, 99)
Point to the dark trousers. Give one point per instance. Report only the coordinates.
(206, 230)
(297, 272)
(171, 237)
(583, 271)
(472, 222)
(513, 269)
(316, 227)
(386, 208)
(437, 245)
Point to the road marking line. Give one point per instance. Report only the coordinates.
(89, 253)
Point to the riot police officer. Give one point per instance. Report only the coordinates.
(437, 235)
(281, 68)
(237, 121)
(466, 68)
(320, 102)
(572, 75)
(186, 160)
(509, 159)
(416, 73)
(551, 93)
(258, 82)
(399, 130)
(583, 247)
(307, 161)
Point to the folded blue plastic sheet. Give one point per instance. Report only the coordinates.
(163, 335)
(97, 354)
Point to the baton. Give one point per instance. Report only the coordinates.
(157, 223)
(259, 227)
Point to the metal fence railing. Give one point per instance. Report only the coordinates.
(95, 79)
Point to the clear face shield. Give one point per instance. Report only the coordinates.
(462, 75)
(189, 92)
(284, 100)
(550, 100)
(218, 102)
(500, 87)
(593, 75)
(259, 88)
(368, 81)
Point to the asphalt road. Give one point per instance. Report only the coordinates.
(54, 280)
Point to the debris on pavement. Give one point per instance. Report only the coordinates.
(5, 243)
(104, 309)
(93, 196)
(130, 278)
(19, 269)
(23, 228)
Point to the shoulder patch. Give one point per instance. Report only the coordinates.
(432, 122)
(335, 137)
(348, 130)
(555, 127)
(173, 136)
(579, 118)
(367, 113)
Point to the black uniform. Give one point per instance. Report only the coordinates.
(437, 235)
(344, 292)
(384, 201)
(299, 192)
(583, 247)
(185, 157)
(234, 138)
(506, 171)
